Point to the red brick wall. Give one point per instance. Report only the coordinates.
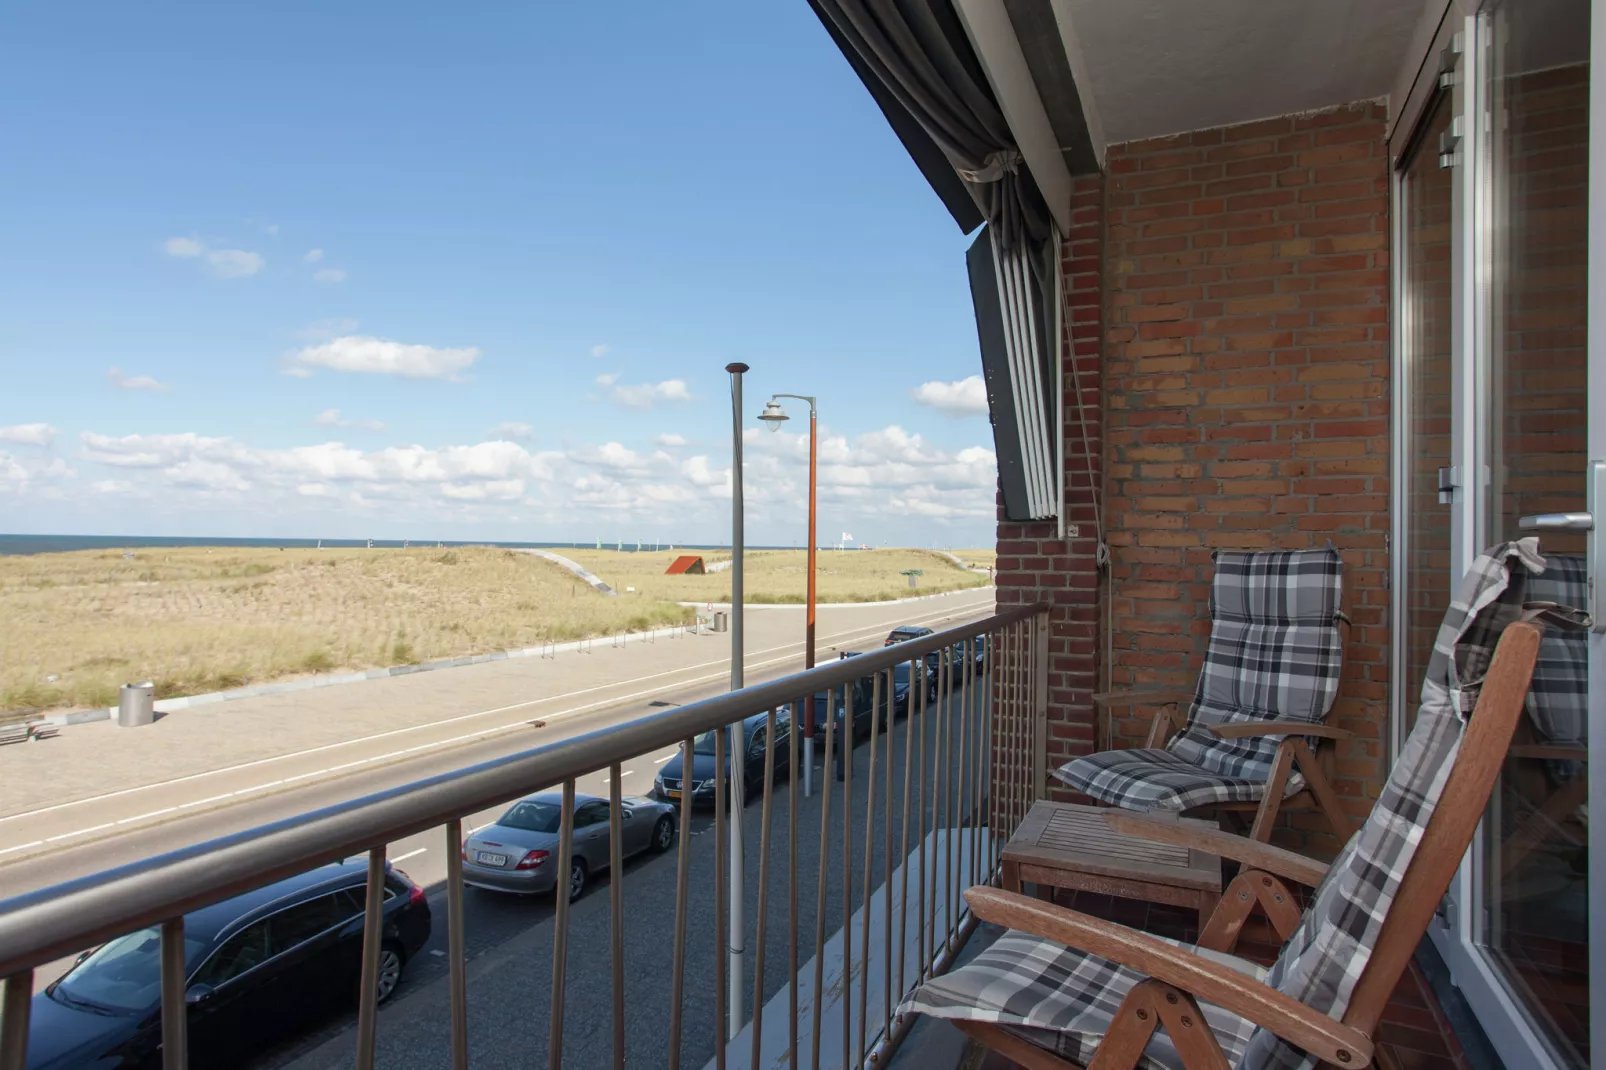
(1247, 367)
(1242, 314)
(1034, 564)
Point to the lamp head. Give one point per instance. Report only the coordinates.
(773, 415)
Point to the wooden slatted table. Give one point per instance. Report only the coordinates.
(1062, 845)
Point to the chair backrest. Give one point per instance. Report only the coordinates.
(1558, 703)
(1276, 652)
(1371, 910)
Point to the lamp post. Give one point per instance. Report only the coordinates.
(736, 746)
(774, 415)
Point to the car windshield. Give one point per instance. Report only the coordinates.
(532, 815)
(704, 744)
(125, 974)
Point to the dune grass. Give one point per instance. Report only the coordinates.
(194, 620)
(79, 624)
(781, 576)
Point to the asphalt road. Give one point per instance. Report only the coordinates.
(510, 938)
(508, 933)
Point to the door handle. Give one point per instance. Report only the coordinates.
(1558, 522)
(1594, 546)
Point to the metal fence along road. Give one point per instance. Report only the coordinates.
(951, 771)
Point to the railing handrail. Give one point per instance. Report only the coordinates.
(50, 922)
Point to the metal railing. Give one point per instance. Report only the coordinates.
(947, 775)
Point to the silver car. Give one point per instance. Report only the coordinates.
(520, 852)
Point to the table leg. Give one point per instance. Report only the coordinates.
(1045, 891)
(1208, 901)
(1011, 876)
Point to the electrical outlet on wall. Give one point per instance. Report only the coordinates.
(1073, 531)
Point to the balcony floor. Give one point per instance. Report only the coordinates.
(1414, 1029)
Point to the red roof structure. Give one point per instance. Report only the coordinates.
(690, 565)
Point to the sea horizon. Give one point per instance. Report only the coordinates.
(20, 545)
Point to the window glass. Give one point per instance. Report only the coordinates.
(532, 816)
(244, 950)
(294, 924)
(591, 813)
(1534, 919)
(124, 974)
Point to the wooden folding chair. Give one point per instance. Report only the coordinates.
(1270, 677)
(1062, 990)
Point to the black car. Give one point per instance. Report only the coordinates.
(670, 781)
(259, 965)
(904, 634)
(900, 684)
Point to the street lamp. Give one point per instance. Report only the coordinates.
(735, 784)
(774, 415)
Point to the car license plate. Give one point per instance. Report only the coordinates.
(486, 858)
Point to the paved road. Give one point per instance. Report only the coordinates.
(281, 776)
(510, 938)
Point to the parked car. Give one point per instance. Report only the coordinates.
(907, 632)
(671, 779)
(259, 966)
(900, 683)
(519, 853)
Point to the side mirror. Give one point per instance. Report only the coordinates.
(626, 815)
(198, 994)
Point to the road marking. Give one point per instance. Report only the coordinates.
(481, 734)
(21, 847)
(409, 854)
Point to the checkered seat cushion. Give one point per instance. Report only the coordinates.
(1558, 702)
(1275, 654)
(1031, 985)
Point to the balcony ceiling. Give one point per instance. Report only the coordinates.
(1148, 68)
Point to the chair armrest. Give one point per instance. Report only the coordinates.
(1146, 696)
(1245, 729)
(1203, 978)
(1252, 853)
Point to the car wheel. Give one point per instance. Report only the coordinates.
(577, 879)
(663, 834)
(391, 961)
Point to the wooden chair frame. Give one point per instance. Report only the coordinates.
(1292, 752)
(1177, 978)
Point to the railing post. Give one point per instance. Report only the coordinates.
(175, 1011)
(1040, 634)
(16, 1001)
(372, 936)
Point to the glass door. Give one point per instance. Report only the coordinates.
(1528, 877)
(1426, 227)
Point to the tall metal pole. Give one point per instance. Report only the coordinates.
(737, 750)
(808, 643)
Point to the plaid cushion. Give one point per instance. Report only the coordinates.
(1558, 703)
(1275, 655)
(1061, 999)
(1328, 953)
(1152, 779)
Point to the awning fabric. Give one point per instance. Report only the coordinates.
(918, 64)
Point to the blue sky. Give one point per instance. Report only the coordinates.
(402, 270)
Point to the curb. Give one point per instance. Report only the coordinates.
(171, 705)
(844, 605)
(574, 567)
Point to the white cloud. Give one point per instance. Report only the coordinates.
(884, 484)
(132, 382)
(670, 439)
(964, 397)
(329, 275)
(234, 263)
(28, 434)
(224, 263)
(379, 356)
(313, 256)
(601, 350)
(644, 395)
(271, 229)
(513, 431)
(332, 418)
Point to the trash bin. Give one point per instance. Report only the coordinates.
(136, 704)
(722, 621)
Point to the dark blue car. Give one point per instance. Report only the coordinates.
(260, 965)
(671, 780)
